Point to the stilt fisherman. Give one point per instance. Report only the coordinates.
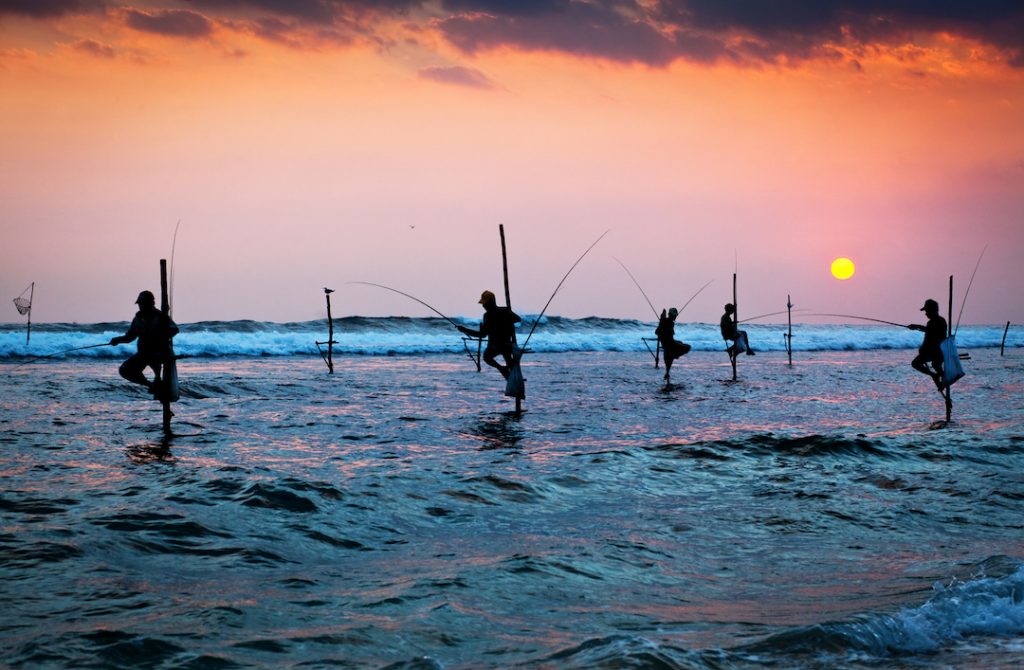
(931, 350)
(499, 327)
(666, 332)
(727, 324)
(154, 331)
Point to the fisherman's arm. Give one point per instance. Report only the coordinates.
(469, 332)
(133, 332)
(918, 327)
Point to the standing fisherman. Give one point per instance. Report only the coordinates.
(930, 350)
(499, 327)
(666, 332)
(154, 331)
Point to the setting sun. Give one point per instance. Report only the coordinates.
(842, 268)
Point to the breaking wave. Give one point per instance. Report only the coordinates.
(389, 336)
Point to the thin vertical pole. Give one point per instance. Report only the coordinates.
(165, 308)
(949, 333)
(736, 324)
(508, 303)
(1002, 345)
(28, 326)
(789, 336)
(330, 335)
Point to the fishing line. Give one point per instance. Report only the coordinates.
(638, 286)
(976, 265)
(566, 276)
(411, 297)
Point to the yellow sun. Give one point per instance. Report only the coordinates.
(842, 268)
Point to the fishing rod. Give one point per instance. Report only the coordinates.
(976, 265)
(694, 296)
(862, 318)
(638, 286)
(58, 353)
(170, 292)
(411, 297)
(761, 316)
(566, 276)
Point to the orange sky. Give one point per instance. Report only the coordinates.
(301, 161)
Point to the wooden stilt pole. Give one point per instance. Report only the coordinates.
(165, 308)
(789, 335)
(330, 334)
(949, 333)
(28, 326)
(1002, 345)
(736, 321)
(508, 303)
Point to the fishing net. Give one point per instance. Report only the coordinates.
(24, 304)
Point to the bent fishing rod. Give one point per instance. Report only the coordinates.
(548, 303)
(969, 284)
(58, 353)
(656, 315)
(411, 297)
(642, 292)
(863, 318)
(785, 311)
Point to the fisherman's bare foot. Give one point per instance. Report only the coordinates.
(504, 372)
(751, 352)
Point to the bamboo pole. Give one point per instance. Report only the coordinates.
(330, 333)
(28, 325)
(789, 335)
(949, 333)
(736, 325)
(508, 303)
(165, 308)
(1002, 345)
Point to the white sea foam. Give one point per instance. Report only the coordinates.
(401, 336)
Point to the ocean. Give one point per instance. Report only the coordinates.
(398, 514)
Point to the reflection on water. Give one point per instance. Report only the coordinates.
(398, 512)
(497, 431)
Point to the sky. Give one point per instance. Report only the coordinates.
(304, 144)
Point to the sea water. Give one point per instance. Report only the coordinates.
(399, 514)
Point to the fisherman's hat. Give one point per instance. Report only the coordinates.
(145, 297)
(673, 313)
(486, 297)
(929, 303)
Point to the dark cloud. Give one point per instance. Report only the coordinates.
(651, 32)
(593, 30)
(462, 76)
(507, 7)
(42, 9)
(170, 22)
(94, 48)
(746, 31)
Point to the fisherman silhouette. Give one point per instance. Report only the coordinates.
(930, 350)
(666, 332)
(153, 329)
(498, 326)
(740, 343)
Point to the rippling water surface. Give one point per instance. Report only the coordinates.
(396, 514)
